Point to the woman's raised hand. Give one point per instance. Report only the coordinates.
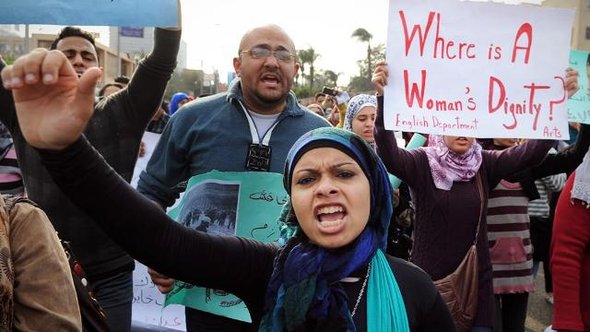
(380, 76)
(53, 106)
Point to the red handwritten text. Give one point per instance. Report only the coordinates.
(525, 30)
(416, 94)
(442, 48)
(514, 109)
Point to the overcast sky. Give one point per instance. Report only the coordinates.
(212, 30)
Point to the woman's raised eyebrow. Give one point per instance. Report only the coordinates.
(345, 163)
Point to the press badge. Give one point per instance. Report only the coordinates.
(258, 158)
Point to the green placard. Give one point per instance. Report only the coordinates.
(245, 204)
(579, 104)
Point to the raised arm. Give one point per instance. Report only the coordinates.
(533, 152)
(565, 161)
(149, 235)
(517, 158)
(144, 93)
(399, 162)
(53, 110)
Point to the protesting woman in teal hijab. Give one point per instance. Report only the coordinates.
(331, 275)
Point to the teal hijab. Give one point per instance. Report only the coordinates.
(304, 292)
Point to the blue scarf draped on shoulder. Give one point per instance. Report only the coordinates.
(304, 292)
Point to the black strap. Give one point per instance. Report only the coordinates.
(481, 204)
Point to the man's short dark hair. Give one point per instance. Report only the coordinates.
(122, 79)
(319, 94)
(103, 89)
(73, 32)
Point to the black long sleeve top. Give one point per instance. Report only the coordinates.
(238, 265)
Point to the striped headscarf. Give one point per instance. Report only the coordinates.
(581, 186)
(304, 285)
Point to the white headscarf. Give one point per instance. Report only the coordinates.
(581, 187)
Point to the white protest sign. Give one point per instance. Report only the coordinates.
(148, 303)
(147, 307)
(149, 140)
(477, 69)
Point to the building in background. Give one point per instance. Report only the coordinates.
(12, 40)
(136, 42)
(194, 82)
(581, 26)
(133, 45)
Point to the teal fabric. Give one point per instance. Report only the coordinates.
(304, 291)
(386, 310)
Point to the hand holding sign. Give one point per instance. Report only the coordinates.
(579, 104)
(571, 82)
(380, 76)
(161, 281)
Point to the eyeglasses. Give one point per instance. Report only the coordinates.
(263, 53)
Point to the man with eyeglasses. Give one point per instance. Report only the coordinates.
(249, 128)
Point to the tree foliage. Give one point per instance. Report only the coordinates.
(302, 91)
(185, 80)
(331, 78)
(362, 83)
(9, 58)
(308, 56)
(365, 37)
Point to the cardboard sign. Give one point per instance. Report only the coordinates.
(148, 303)
(245, 204)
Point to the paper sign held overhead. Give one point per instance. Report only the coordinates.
(477, 69)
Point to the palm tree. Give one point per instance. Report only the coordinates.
(364, 36)
(302, 59)
(308, 56)
(331, 77)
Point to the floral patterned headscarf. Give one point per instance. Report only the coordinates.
(447, 166)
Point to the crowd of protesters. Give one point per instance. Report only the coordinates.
(363, 255)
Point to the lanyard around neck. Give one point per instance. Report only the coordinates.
(254, 131)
